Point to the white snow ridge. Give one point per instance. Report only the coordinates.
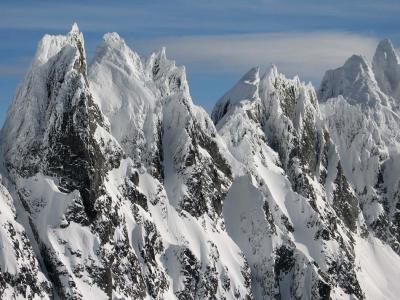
(114, 185)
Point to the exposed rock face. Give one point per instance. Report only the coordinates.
(116, 186)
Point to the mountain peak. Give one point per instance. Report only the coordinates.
(74, 28)
(59, 67)
(162, 53)
(355, 80)
(273, 72)
(74, 36)
(386, 66)
(385, 47)
(112, 37)
(113, 51)
(245, 89)
(356, 61)
(252, 76)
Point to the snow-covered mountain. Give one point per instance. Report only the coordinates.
(114, 185)
(122, 196)
(367, 134)
(311, 215)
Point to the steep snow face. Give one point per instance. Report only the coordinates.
(378, 269)
(20, 274)
(282, 267)
(386, 67)
(368, 143)
(297, 211)
(197, 174)
(126, 94)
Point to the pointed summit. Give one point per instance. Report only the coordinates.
(385, 50)
(113, 52)
(74, 36)
(74, 28)
(245, 89)
(162, 53)
(386, 66)
(113, 38)
(270, 79)
(355, 81)
(50, 45)
(252, 76)
(273, 72)
(169, 78)
(356, 63)
(57, 71)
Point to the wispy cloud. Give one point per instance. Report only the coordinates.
(307, 53)
(182, 15)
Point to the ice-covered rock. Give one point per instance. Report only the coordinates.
(298, 206)
(355, 80)
(368, 139)
(386, 67)
(245, 89)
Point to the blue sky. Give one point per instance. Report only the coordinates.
(217, 40)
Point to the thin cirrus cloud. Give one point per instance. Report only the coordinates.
(308, 54)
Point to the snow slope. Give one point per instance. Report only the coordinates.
(20, 273)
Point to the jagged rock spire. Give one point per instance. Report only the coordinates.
(74, 28)
(386, 66)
